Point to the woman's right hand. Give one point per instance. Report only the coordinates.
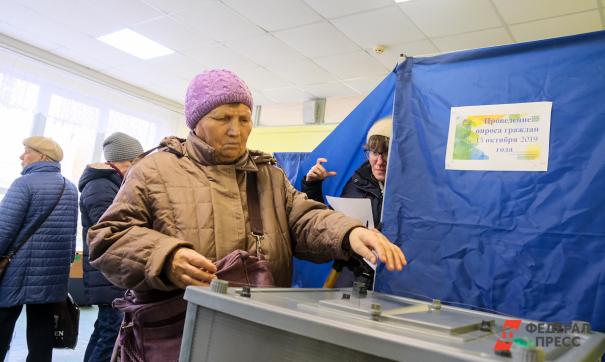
(188, 267)
(318, 172)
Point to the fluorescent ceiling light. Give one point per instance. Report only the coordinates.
(135, 44)
(401, 1)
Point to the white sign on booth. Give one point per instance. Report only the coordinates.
(499, 137)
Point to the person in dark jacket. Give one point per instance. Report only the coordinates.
(99, 185)
(366, 183)
(37, 276)
(368, 180)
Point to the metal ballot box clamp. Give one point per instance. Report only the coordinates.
(275, 324)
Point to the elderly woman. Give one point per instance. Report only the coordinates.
(179, 211)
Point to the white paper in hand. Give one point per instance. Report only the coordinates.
(360, 209)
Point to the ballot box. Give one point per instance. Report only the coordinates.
(275, 324)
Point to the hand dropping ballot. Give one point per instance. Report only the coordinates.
(360, 209)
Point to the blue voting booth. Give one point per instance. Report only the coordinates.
(529, 244)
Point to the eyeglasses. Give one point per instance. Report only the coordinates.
(374, 155)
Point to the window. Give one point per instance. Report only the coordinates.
(138, 128)
(73, 125)
(38, 99)
(18, 99)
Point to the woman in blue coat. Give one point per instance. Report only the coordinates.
(37, 275)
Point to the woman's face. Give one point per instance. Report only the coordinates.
(378, 161)
(226, 129)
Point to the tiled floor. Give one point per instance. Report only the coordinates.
(18, 350)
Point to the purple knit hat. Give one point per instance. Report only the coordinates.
(211, 89)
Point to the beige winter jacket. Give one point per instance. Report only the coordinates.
(169, 201)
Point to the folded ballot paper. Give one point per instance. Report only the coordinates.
(360, 209)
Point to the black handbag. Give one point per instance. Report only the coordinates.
(66, 316)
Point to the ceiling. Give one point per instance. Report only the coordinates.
(286, 50)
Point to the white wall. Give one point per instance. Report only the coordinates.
(291, 114)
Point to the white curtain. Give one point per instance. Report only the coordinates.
(73, 125)
(18, 99)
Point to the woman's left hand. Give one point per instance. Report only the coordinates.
(363, 241)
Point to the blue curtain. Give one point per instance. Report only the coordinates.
(529, 244)
(290, 163)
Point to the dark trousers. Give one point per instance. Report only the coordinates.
(104, 336)
(40, 330)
